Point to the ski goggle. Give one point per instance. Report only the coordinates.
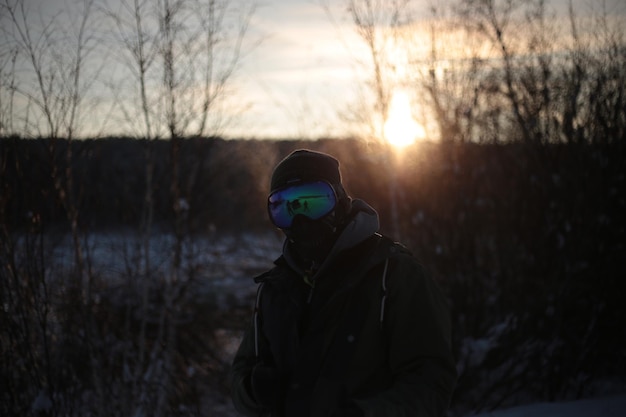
(311, 199)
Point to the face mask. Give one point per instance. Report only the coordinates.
(311, 239)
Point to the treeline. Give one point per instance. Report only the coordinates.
(220, 182)
(527, 241)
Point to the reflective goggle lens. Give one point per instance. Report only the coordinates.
(312, 199)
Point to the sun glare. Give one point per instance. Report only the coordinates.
(400, 128)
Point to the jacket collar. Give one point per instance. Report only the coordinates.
(363, 223)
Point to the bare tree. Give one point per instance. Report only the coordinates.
(551, 80)
(47, 88)
(602, 118)
(182, 55)
(498, 21)
(8, 85)
(376, 24)
(446, 74)
(56, 56)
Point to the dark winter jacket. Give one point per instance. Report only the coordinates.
(368, 328)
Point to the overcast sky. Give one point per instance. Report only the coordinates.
(305, 69)
(302, 71)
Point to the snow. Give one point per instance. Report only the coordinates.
(614, 406)
(227, 264)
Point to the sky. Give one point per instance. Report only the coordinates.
(306, 71)
(306, 68)
(298, 73)
(303, 71)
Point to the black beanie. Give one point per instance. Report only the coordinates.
(306, 165)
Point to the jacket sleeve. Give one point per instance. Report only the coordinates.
(418, 329)
(244, 361)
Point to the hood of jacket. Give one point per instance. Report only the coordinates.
(363, 223)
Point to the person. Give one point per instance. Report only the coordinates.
(347, 323)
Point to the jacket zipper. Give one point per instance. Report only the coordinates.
(308, 275)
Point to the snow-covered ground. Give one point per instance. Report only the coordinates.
(227, 264)
(223, 265)
(614, 406)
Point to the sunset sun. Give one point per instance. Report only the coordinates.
(401, 129)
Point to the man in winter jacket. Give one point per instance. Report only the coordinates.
(347, 323)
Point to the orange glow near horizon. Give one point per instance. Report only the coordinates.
(400, 128)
